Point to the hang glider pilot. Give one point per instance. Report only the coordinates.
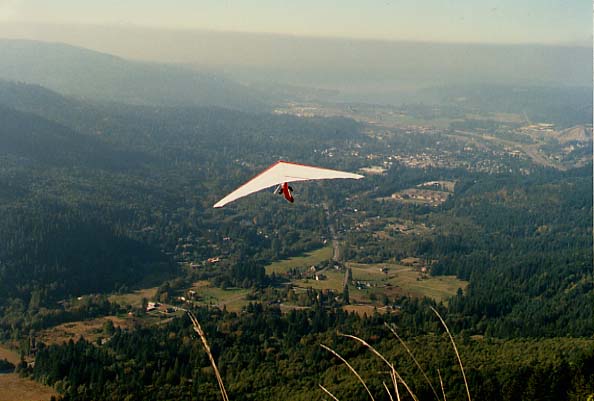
(287, 191)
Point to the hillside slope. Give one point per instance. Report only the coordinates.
(88, 74)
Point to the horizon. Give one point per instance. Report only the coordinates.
(9, 34)
(57, 32)
(501, 22)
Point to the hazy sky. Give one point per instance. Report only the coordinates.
(496, 21)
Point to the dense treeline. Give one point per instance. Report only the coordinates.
(6, 366)
(530, 260)
(52, 253)
(263, 354)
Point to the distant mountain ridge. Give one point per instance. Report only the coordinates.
(564, 106)
(36, 99)
(98, 76)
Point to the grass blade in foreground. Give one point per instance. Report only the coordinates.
(413, 358)
(391, 366)
(455, 349)
(328, 392)
(388, 391)
(441, 382)
(198, 329)
(350, 367)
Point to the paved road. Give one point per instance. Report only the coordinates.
(335, 246)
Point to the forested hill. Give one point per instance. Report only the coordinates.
(93, 75)
(529, 256)
(184, 132)
(55, 252)
(54, 247)
(36, 141)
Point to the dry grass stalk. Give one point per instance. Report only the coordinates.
(414, 359)
(455, 349)
(198, 329)
(350, 367)
(394, 371)
(393, 375)
(441, 383)
(328, 392)
(388, 391)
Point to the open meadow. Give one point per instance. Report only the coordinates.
(9, 354)
(16, 388)
(91, 330)
(403, 280)
(307, 260)
(134, 298)
(233, 299)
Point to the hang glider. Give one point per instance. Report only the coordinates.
(280, 174)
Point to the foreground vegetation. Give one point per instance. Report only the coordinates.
(263, 354)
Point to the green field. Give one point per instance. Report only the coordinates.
(405, 280)
(307, 260)
(134, 298)
(373, 283)
(233, 299)
(333, 281)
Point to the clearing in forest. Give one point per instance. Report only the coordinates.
(91, 330)
(16, 388)
(134, 298)
(10, 355)
(393, 279)
(308, 259)
(233, 299)
(329, 279)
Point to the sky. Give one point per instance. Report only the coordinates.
(565, 22)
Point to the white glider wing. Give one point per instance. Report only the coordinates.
(281, 172)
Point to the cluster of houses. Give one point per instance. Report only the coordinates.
(539, 127)
(433, 198)
(361, 284)
(314, 274)
(156, 306)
